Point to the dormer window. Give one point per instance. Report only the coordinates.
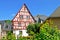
(27, 17)
(21, 16)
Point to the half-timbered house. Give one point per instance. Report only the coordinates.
(22, 19)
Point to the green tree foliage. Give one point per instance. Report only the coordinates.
(4, 38)
(38, 32)
(8, 21)
(33, 28)
(25, 38)
(48, 32)
(10, 36)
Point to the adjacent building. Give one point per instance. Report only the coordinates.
(55, 18)
(40, 18)
(5, 26)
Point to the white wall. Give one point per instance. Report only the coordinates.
(24, 33)
(41, 21)
(16, 32)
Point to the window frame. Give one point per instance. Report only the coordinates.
(21, 16)
(28, 17)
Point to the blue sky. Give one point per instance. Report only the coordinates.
(9, 8)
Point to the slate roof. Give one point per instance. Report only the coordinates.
(42, 17)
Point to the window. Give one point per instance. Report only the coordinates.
(27, 17)
(19, 24)
(6, 26)
(21, 16)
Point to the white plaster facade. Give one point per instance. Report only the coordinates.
(17, 33)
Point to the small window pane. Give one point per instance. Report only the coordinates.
(21, 16)
(27, 17)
